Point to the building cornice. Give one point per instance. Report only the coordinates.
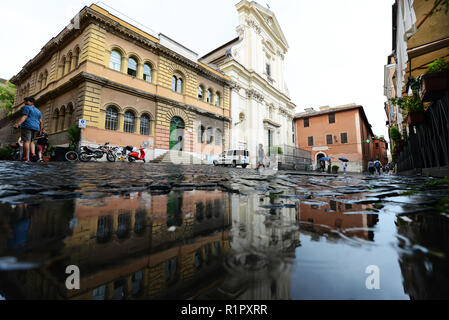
(88, 16)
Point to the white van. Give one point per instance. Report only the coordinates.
(234, 158)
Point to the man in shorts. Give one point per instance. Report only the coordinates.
(30, 125)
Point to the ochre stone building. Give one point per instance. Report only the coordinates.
(340, 132)
(132, 88)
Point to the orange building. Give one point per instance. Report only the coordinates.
(380, 148)
(340, 132)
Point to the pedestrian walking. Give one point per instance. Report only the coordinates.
(260, 157)
(345, 164)
(329, 169)
(322, 165)
(30, 124)
(371, 168)
(42, 144)
(378, 166)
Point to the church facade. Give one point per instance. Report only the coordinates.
(262, 111)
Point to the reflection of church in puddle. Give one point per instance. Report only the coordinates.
(263, 243)
(140, 246)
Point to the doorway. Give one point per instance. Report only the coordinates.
(177, 127)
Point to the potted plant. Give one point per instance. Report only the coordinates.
(415, 109)
(47, 156)
(335, 169)
(435, 81)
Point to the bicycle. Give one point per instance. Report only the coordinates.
(72, 155)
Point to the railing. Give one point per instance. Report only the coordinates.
(428, 142)
(294, 158)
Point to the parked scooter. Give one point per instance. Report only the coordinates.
(135, 154)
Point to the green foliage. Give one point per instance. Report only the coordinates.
(7, 95)
(74, 135)
(6, 153)
(438, 65)
(414, 104)
(395, 134)
(444, 5)
(409, 104)
(335, 169)
(50, 149)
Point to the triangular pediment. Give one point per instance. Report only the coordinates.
(271, 23)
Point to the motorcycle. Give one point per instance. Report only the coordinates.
(135, 154)
(89, 153)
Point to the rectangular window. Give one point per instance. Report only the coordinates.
(377, 146)
(344, 138)
(329, 139)
(310, 141)
(331, 117)
(306, 122)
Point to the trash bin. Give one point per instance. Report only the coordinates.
(58, 154)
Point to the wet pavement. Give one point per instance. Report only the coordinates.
(140, 231)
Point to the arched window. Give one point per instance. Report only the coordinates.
(55, 120)
(217, 99)
(61, 119)
(116, 61)
(209, 96)
(145, 125)
(210, 135)
(69, 62)
(77, 57)
(147, 72)
(200, 93)
(174, 81)
(63, 66)
(45, 79)
(201, 131)
(104, 229)
(68, 116)
(179, 85)
(176, 84)
(124, 225)
(111, 119)
(218, 137)
(132, 67)
(129, 125)
(40, 81)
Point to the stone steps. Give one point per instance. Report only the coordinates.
(178, 157)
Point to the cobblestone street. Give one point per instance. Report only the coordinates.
(165, 231)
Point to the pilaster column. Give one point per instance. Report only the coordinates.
(139, 71)
(73, 63)
(124, 67)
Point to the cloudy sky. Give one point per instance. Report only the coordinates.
(336, 56)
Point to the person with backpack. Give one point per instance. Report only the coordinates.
(378, 166)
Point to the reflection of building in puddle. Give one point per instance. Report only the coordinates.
(31, 227)
(425, 274)
(140, 246)
(335, 214)
(263, 245)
